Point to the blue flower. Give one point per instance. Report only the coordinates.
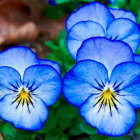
(95, 19)
(52, 2)
(106, 89)
(28, 86)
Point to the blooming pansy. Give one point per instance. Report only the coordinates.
(28, 86)
(95, 19)
(105, 86)
(52, 2)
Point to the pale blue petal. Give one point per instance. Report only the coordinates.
(29, 118)
(10, 81)
(44, 81)
(94, 11)
(18, 58)
(137, 58)
(51, 63)
(112, 122)
(125, 30)
(80, 32)
(121, 13)
(108, 52)
(126, 77)
(86, 78)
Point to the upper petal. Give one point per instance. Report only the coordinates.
(51, 63)
(94, 11)
(126, 77)
(121, 13)
(80, 32)
(10, 81)
(125, 30)
(108, 52)
(18, 58)
(28, 117)
(83, 80)
(44, 81)
(109, 121)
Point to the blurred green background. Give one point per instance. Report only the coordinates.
(64, 122)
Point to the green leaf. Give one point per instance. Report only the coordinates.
(55, 136)
(118, 138)
(75, 128)
(54, 12)
(137, 127)
(98, 137)
(138, 51)
(51, 122)
(87, 129)
(9, 138)
(64, 123)
(8, 130)
(62, 1)
(67, 111)
(121, 3)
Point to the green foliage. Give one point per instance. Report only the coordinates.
(59, 52)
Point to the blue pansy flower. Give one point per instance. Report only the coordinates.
(95, 19)
(28, 86)
(105, 86)
(52, 2)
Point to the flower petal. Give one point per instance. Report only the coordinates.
(127, 77)
(137, 58)
(31, 117)
(104, 118)
(108, 52)
(128, 33)
(87, 12)
(44, 81)
(10, 81)
(51, 63)
(18, 58)
(120, 13)
(85, 79)
(80, 32)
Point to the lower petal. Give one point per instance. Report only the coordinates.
(117, 123)
(127, 77)
(28, 117)
(83, 80)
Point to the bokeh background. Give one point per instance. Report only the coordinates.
(36, 24)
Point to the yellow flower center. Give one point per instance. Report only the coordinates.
(24, 97)
(108, 97)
